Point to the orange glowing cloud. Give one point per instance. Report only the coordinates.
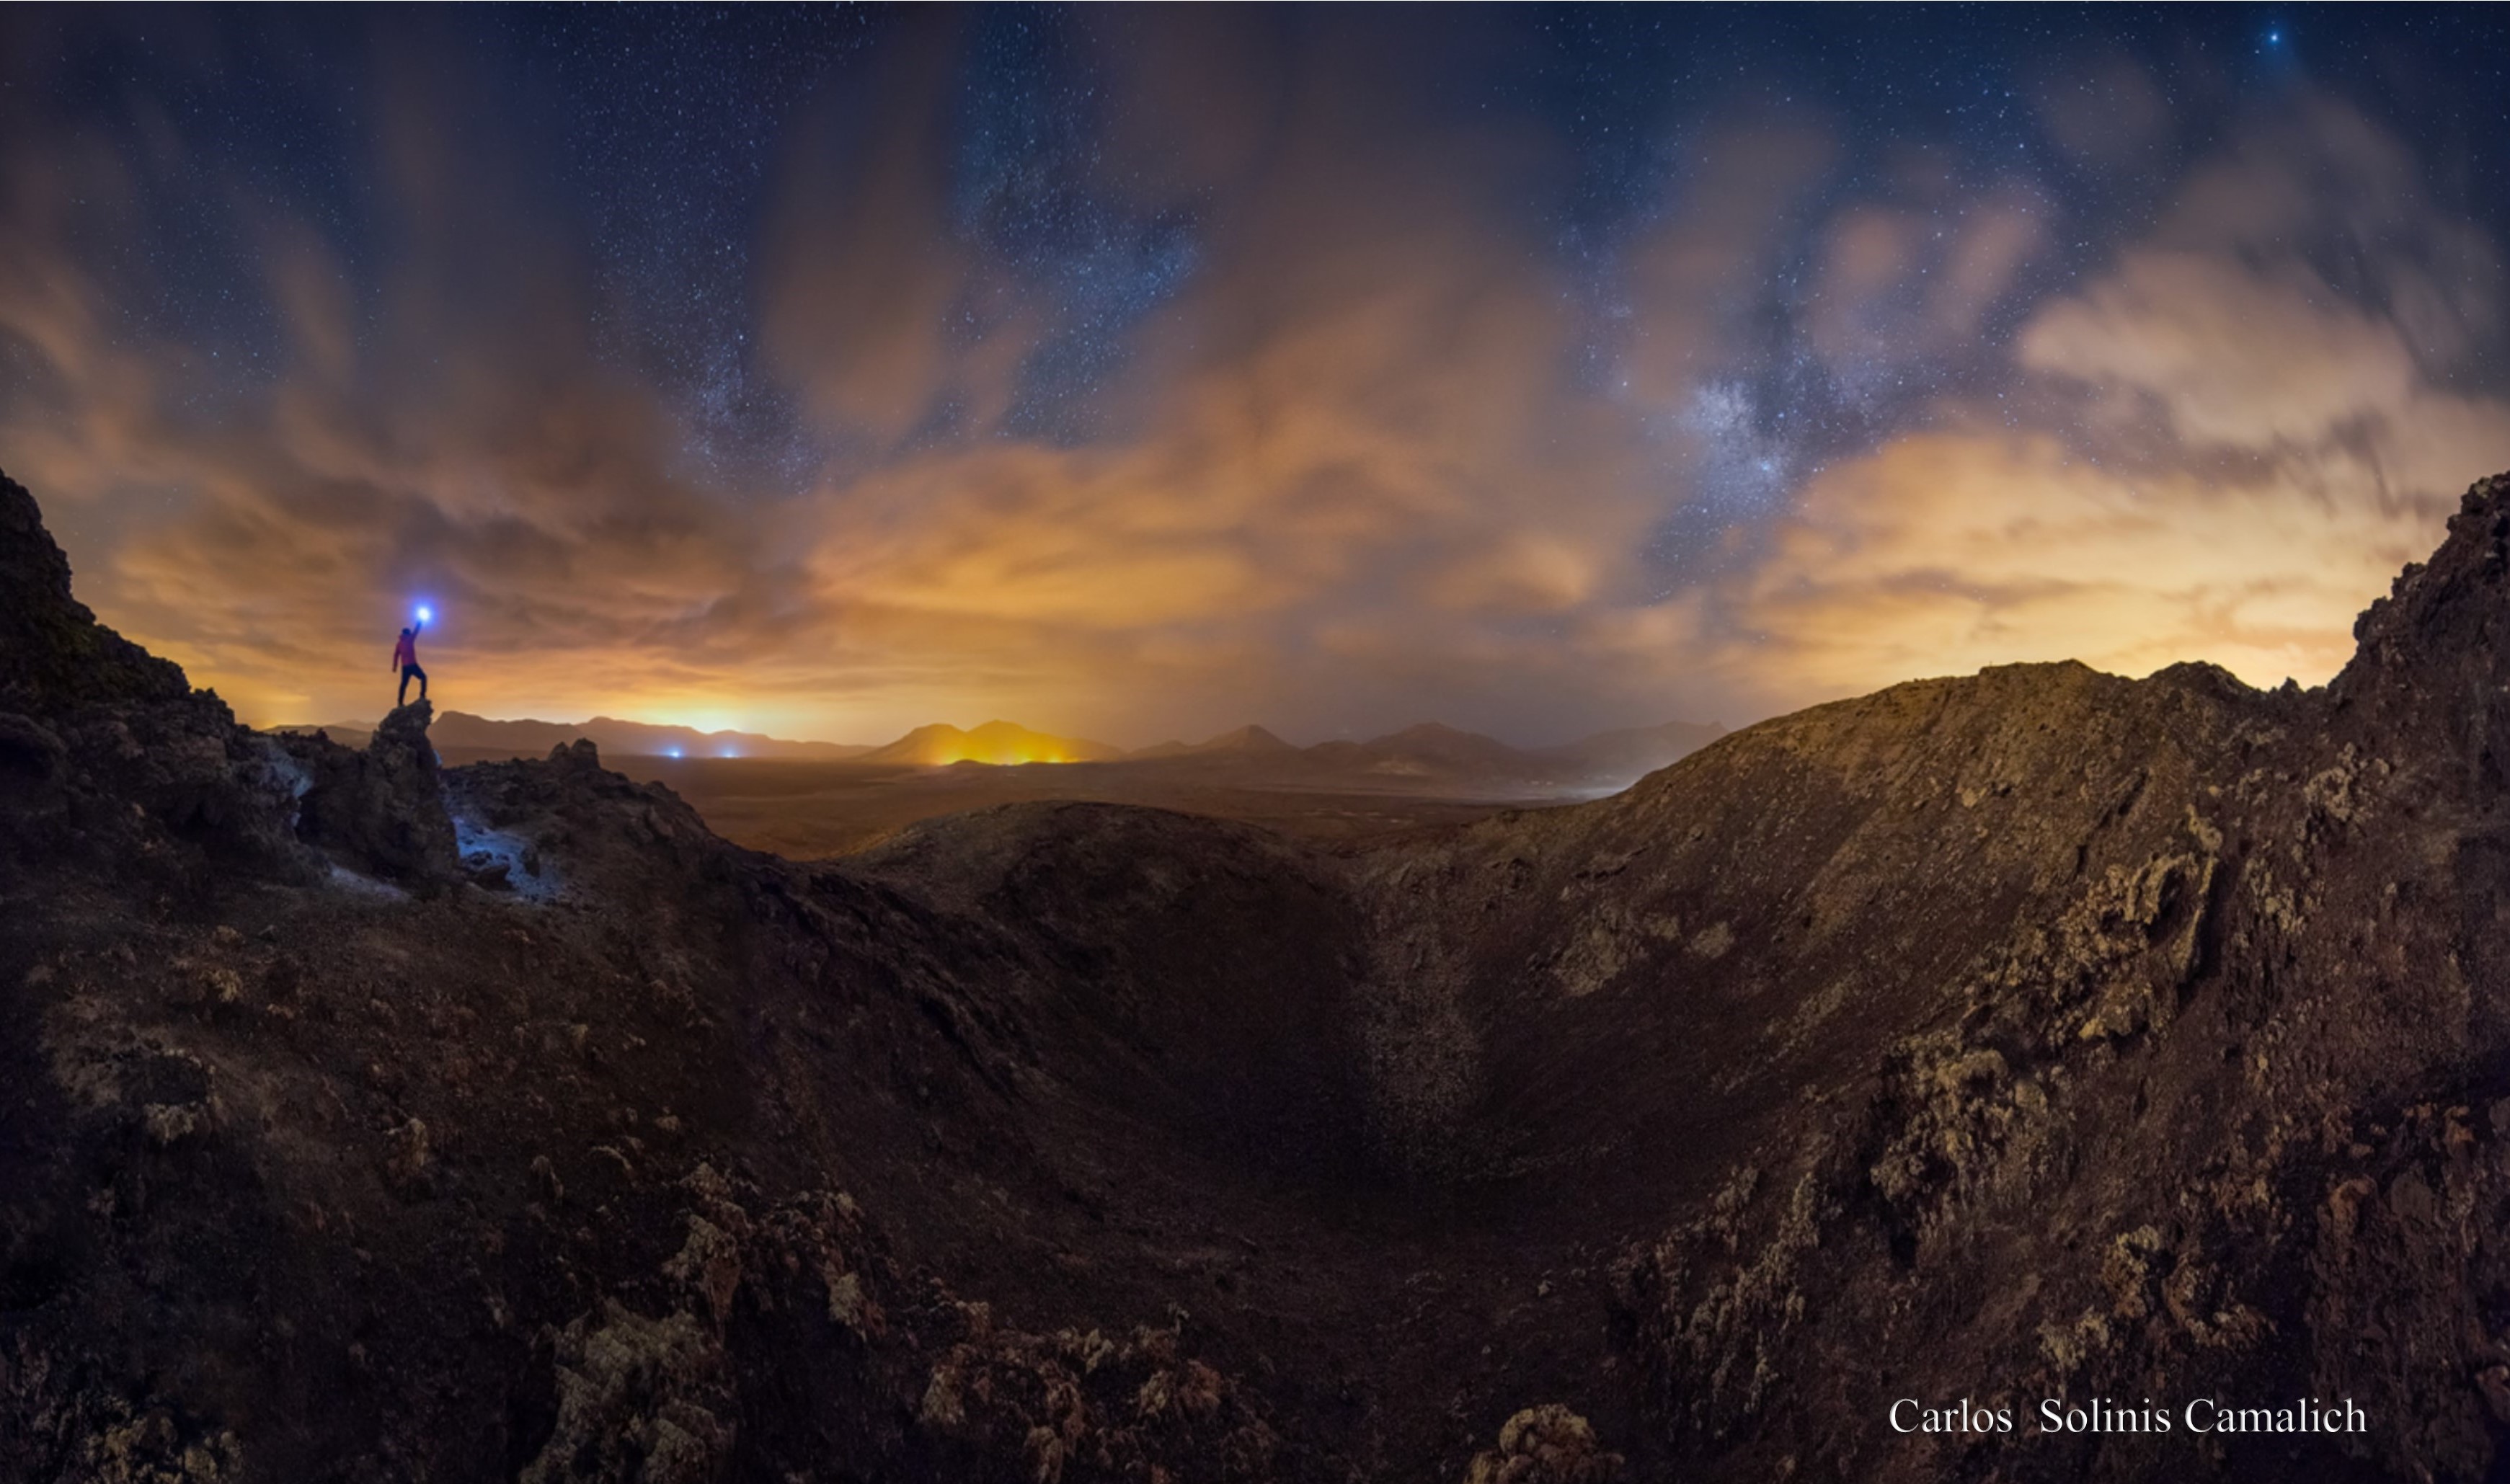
(1945, 552)
(2312, 453)
(1363, 463)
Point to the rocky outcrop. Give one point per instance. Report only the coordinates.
(1546, 1445)
(1088, 1405)
(53, 654)
(380, 810)
(109, 762)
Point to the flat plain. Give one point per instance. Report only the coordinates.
(813, 810)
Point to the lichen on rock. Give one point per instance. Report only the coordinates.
(1548, 1444)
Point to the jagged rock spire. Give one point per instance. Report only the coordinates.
(53, 654)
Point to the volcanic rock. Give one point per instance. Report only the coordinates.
(380, 810)
(1546, 1445)
(106, 753)
(53, 654)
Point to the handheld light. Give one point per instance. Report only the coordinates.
(426, 614)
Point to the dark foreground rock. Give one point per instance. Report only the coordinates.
(53, 654)
(109, 762)
(381, 809)
(2035, 1035)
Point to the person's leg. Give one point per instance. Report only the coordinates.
(421, 681)
(403, 699)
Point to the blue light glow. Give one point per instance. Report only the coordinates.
(426, 614)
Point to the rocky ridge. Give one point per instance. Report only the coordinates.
(2035, 1033)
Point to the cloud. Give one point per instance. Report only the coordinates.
(1740, 198)
(1281, 402)
(2301, 287)
(861, 276)
(1355, 418)
(2256, 452)
(265, 518)
(1942, 552)
(1898, 284)
(2234, 356)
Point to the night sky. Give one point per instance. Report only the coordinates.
(1144, 372)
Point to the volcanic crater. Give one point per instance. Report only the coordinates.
(2033, 1034)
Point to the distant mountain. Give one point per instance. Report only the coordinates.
(353, 733)
(1443, 748)
(1249, 741)
(996, 741)
(1428, 751)
(1432, 752)
(632, 738)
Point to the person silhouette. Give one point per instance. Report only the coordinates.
(405, 660)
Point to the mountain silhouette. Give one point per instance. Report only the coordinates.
(998, 742)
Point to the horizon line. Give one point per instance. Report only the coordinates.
(1274, 732)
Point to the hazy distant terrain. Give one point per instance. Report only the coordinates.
(1337, 791)
(485, 738)
(806, 809)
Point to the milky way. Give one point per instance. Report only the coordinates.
(1145, 372)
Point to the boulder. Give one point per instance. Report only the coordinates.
(1547, 1444)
